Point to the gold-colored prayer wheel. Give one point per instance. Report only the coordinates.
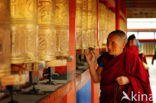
(90, 24)
(111, 19)
(103, 25)
(100, 24)
(123, 25)
(78, 24)
(5, 68)
(23, 31)
(62, 28)
(94, 23)
(85, 24)
(47, 31)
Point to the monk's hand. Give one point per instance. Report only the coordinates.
(91, 58)
(122, 80)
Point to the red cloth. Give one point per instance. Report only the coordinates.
(126, 64)
(134, 49)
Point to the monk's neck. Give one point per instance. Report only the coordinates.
(118, 54)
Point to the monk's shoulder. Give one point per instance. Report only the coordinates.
(131, 56)
(104, 55)
(103, 58)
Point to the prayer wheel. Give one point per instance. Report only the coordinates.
(94, 23)
(5, 68)
(85, 24)
(78, 24)
(111, 19)
(62, 28)
(123, 25)
(47, 31)
(23, 31)
(90, 24)
(103, 25)
(100, 24)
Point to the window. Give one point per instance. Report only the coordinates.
(146, 35)
(141, 23)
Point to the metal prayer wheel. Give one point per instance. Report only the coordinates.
(103, 25)
(46, 30)
(62, 28)
(100, 24)
(111, 19)
(5, 68)
(78, 24)
(94, 23)
(23, 31)
(123, 25)
(90, 24)
(85, 24)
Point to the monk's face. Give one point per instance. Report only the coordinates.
(115, 45)
(132, 42)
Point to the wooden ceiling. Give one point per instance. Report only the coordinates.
(141, 8)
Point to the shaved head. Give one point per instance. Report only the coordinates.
(119, 33)
(116, 42)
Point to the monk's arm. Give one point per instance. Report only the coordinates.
(95, 72)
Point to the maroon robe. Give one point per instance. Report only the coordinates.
(134, 49)
(126, 64)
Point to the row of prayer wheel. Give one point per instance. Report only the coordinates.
(39, 30)
(106, 24)
(86, 24)
(32, 31)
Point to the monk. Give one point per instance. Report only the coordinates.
(131, 44)
(132, 47)
(121, 74)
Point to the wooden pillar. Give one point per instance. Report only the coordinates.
(117, 12)
(71, 95)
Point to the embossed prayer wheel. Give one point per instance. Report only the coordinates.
(103, 25)
(62, 28)
(23, 31)
(90, 24)
(78, 24)
(94, 23)
(123, 25)
(85, 24)
(5, 68)
(47, 31)
(111, 19)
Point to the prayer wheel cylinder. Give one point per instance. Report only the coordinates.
(23, 31)
(62, 28)
(103, 25)
(111, 19)
(85, 24)
(100, 24)
(123, 25)
(5, 68)
(78, 24)
(47, 31)
(94, 23)
(90, 24)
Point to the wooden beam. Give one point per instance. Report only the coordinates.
(141, 30)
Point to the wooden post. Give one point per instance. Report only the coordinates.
(117, 12)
